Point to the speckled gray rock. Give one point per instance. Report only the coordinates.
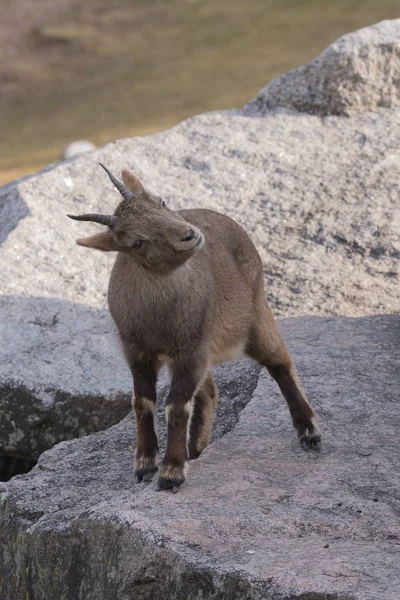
(360, 72)
(62, 374)
(258, 517)
(319, 197)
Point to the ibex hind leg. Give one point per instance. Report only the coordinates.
(267, 347)
(202, 417)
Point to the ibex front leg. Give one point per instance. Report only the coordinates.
(185, 381)
(144, 404)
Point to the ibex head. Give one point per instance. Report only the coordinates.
(143, 227)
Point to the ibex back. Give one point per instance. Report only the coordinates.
(187, 290)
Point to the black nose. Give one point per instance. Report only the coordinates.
(189, 236)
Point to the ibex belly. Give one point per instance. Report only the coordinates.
(230, 336)
(221, 355)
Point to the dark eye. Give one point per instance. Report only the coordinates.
(162, 202)
(137, 244)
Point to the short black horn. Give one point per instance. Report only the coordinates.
(108, 220)
(123, 190)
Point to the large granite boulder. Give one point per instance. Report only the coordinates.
(360, 72)
(258, 517)
(319, 197)
(62, 373)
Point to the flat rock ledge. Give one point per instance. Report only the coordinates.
(258, 519)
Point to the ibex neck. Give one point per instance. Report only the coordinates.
(148, 276)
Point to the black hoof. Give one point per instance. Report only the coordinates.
(310, 441)
(145, 468)
(309, 435)
(171, 478)
(144, 475)
(168, 484)
(193, 453)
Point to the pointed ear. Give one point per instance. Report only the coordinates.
(132, 182)
(100, 241)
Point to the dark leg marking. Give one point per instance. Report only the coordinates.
(146, 460)
(144, 404)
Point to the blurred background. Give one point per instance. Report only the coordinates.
(104, 69)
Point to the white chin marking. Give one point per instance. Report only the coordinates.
(200, 244)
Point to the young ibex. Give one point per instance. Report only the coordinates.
(187, 290)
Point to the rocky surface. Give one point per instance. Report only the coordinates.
(62, 373)
(319, 197)
(258, 517)
(358, 73)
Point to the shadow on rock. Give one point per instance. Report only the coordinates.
(13, 209)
